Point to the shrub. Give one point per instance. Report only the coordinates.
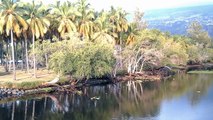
(83, 60)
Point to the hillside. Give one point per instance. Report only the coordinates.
(177, 20)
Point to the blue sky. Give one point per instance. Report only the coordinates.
(131, 5)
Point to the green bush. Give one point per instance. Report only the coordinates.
(83, 60)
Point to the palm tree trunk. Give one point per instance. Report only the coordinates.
(13, 56)
(26, 52)
(23, 53)
(46, 60)
(1, 53)
(15, 52)
(34, 59)
(7, 55)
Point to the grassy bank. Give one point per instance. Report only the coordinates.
(200, 72)
(26, 81)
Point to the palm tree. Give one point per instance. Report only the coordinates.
(11, 22)
(85, 25)
(36, 15)
(102, 29)
(118, 22)
(132, 32)
(65, 16)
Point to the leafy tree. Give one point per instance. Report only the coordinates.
(138, 20)
(82, 60)
(155, 49)
(199, 35)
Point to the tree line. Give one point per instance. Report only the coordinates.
(72, 38)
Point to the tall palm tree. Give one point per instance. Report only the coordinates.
(36, 15)
(65, 16)
(119, 25)
(85, 24)
(11, 22)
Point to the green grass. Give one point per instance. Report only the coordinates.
(200, 72)
(27, 85)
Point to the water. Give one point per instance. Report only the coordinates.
(184, 97)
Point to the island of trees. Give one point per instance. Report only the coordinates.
(72, 39)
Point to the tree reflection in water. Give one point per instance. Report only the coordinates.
(118, 101)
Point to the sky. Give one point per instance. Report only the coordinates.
(132, 5)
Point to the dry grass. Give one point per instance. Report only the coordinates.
(23, 78)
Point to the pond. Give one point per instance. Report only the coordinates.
(183, 97)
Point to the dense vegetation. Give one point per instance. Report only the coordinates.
(72, 38)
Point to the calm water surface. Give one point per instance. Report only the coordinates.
(184, 97)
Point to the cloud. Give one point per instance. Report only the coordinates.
(131, 5)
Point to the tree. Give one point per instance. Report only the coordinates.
(85, 25)
(65, 15)
(119, 23)
(36, 15)
(199, 35)
(138, 20)
(82, 59)
(132, 33)
(102, 30)
(11, 22)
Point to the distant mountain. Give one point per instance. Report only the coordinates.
(177, 20)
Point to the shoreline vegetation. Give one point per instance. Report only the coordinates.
(64, 46)
(28, 85)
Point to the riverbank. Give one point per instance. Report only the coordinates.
(200, 72)
(27, 85)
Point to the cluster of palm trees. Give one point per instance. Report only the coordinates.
(31, 21)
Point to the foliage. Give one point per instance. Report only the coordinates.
(198, 35)
(72, 38)
(156, 48)
(82, 59)
(64, 16)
